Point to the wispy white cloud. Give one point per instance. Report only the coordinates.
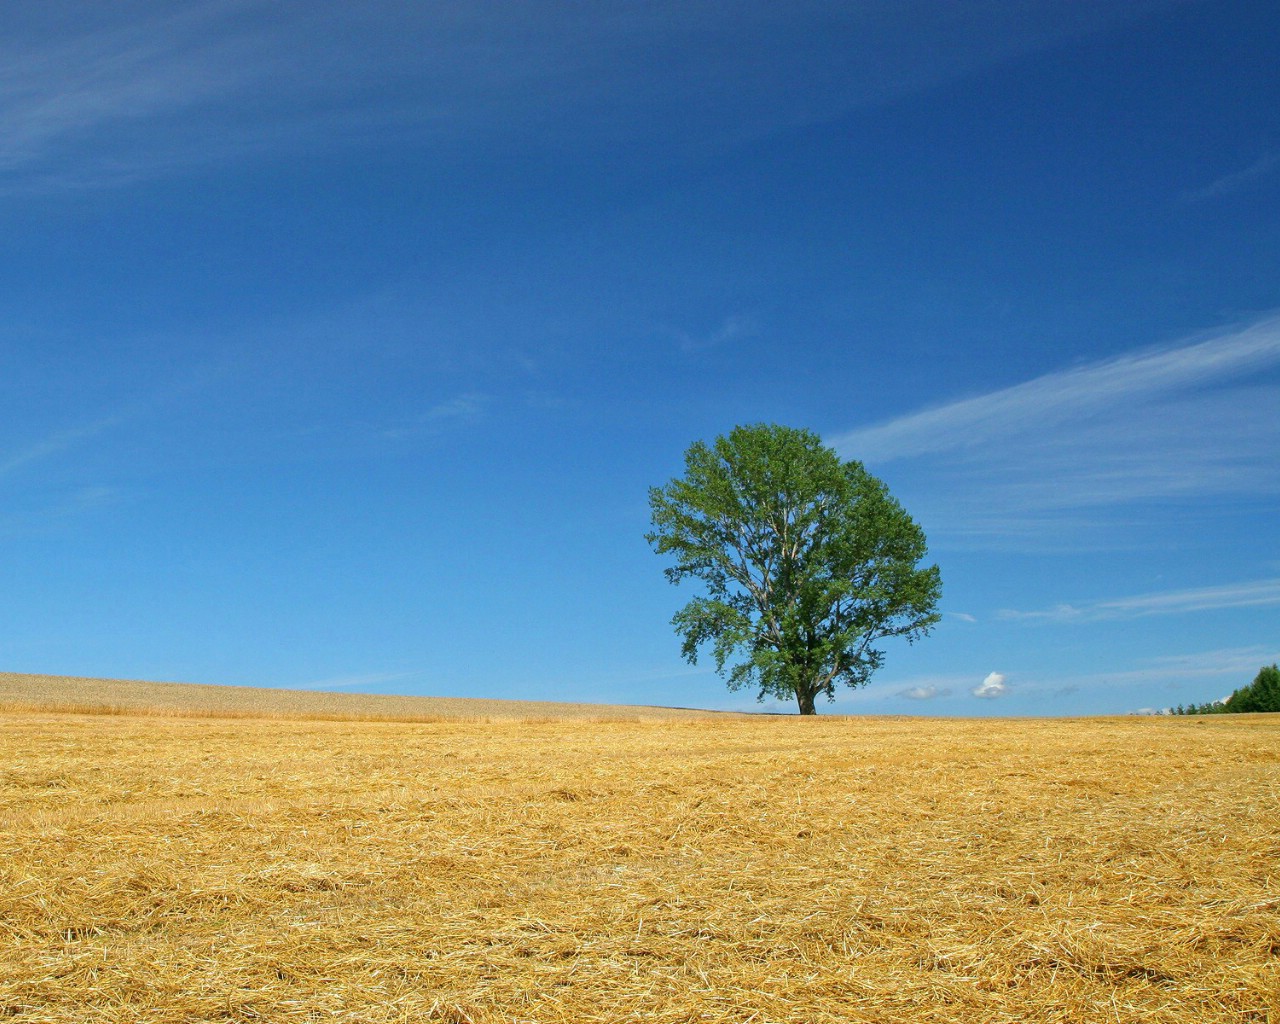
(1236, 180)
(924, 692)
(44, 509)
(1067, 397)
(94, 94)
(109, 94)
(1255, 593)
(1201, 675)
(465, 408)
(961, 616)
(54, 444)
(88, 499)
(735, 327)
(991, 687)
(91, 90)
(1199, 419)
(1233, 662)
(357, 681)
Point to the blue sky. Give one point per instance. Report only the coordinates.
(341, 342)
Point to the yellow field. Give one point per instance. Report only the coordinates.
(164, 869)
(117, 696)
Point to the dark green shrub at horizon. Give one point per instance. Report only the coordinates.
(1262, 695)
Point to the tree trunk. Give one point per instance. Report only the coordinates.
(805, 700)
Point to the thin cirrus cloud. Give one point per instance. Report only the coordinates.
(1237, 181)
(54, 444)
(357, 681)
(1254, 594)
(142, 88)
(1198, 419)
(735, 327)
(465, 408)
(1202, 675)
(1059, 398)
(92, 91)
(925, 692)
(1235, 662)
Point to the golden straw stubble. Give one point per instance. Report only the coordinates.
(624, 866)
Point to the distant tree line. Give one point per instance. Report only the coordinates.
(1263, 694)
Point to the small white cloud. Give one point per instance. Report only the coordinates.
(991, 687)
(924, 692)
(962, 616)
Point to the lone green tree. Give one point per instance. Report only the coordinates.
(808, 563)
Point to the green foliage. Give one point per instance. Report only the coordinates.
(807, 561)
(1263, 694)
(1215, 707)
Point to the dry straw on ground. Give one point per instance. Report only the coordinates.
(190, 700)
(178, 869)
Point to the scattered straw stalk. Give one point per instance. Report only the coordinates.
(195, 869)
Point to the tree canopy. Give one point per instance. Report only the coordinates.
(807, 561)
(1263, 694)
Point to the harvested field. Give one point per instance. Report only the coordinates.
(732, 869)
(123, 696)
